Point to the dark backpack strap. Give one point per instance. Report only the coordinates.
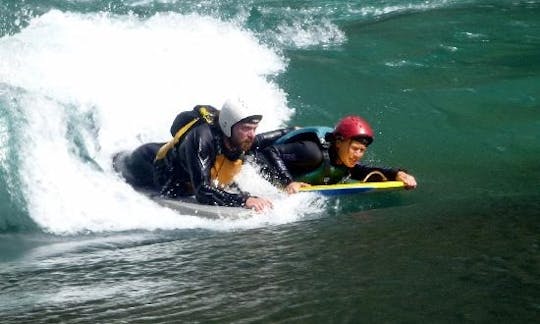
(169, 145)
(184, 122)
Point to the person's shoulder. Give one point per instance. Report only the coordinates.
(203, 134)
(201, 131)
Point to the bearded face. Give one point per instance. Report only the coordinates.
(243, 135)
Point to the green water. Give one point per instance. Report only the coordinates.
(451, 89)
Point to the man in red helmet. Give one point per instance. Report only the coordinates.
(321, 155)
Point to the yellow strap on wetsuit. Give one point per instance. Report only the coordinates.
(205, 114)
(224, 170)
(166, 147)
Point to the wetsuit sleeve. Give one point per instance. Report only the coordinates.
(200, 155)
(360, 172)
(263, 140)
(284, 160)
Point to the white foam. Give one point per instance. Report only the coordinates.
(381, 11)
(303, 34)
(131, 76)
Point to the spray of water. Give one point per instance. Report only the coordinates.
(95, 84)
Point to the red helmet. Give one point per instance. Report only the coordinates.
(354, 127)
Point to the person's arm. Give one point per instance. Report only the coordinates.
(282, 160)
(274, 168)
(407, 179)
(263, 140)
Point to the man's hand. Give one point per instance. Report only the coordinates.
(407, 179)
(294, 187)
(258, 203)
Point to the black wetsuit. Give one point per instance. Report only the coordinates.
(292, 161)
(186, 169)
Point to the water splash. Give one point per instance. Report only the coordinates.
(95, 84)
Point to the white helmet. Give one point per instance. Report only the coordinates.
(233, 112)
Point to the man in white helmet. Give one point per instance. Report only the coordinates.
(202, 161)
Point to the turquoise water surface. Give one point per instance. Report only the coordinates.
(451, 88)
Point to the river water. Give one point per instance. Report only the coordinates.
(451, 88)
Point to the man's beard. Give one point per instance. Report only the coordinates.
(239, 145)
(245, 145)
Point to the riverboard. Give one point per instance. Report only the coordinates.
(354, 188)
(189, 206)
(183, 205)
